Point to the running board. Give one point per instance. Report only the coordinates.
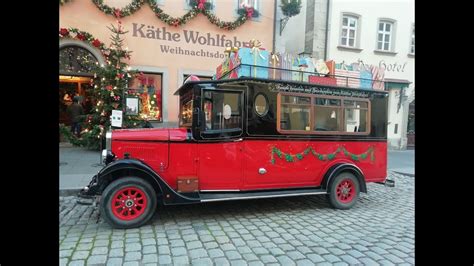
(209, 197)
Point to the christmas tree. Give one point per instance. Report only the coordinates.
(110, 85)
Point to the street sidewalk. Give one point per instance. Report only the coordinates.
(76, 167)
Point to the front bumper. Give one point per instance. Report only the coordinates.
(91, 189)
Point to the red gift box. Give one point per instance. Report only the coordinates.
(226, 66)
(322, 80)
(331, 64)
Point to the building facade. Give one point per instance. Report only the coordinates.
(379, 33)
(166, 54)
(375, 33)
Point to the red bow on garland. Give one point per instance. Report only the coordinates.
(249, 11)
(81, 37)
(96, 43)
(64, 31)
(201, 4)
(117, 13)
(175, 23)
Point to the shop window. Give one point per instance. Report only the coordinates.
(147, 87)
(76, 61)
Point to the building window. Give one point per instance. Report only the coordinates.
(349, 31)
(323, 114)
(76, 61)
(189, 4)
(385, 36)
(148, 88)
(242, 4)
(248, 3)
(395, 130)
(412, 40)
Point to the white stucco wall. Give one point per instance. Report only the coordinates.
(398, 65)
(292, 38)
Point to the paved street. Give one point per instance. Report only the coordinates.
(285, 231)
(402, 161)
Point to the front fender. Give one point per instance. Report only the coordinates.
(133, 167)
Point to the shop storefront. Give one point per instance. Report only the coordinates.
(165, 54)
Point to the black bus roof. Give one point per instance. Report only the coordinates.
(244, 79)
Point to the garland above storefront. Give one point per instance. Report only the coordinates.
(199, 6)
(74, 33)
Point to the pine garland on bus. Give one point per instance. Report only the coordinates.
(288, 157)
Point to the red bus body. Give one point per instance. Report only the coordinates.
(234, 165)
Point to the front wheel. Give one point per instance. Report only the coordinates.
(343, 191)
(128, 202)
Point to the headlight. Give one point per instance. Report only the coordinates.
(108, 141)
(107, 156)
(104, 153)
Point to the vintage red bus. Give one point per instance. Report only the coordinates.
(247, 138)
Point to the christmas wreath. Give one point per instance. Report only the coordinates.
(290, 7)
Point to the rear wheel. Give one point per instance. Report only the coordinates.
(343, 191)
(128, 202)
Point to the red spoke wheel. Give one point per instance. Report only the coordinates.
(343, 191)
(128, 202)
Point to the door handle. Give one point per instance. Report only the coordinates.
(238, 140)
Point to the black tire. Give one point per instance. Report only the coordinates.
(139, 186)
(344, 182)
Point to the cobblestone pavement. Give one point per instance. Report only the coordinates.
(285, 231)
